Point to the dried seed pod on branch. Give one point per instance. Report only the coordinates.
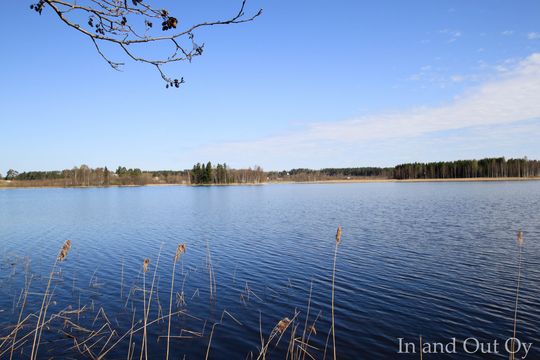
(129, 25)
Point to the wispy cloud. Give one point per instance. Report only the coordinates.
(507, 32)
(457, 78)
(452, 34)
(441, 77)
(510, 98)
(533, 36)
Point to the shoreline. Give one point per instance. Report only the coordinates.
(336, 181)
(352, 181)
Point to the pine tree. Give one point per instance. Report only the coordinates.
(208, 173)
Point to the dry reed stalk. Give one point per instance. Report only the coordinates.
(234, 274)
(338, 241)
(18, 326)
(131, 334)
(89, 348)
(179, 251)
(23, 339)
(261, 334)
(122, 281)
(307, 314)
(27, 287)
(520, 246)
(192, 335)
(308, 354)
(44, 304)
(159, 307)
(19, 346)
(132, 331)
(212, 278)
(204, 327)
(292, 338)
(312, 330)
(147, 311)
(146, 263)
(225, 312)
(75, 271)
(283, 325)
(108, 340)
(103, 316)
(326, 344)
(93, 334)
(210, 341)
(421, 350)
(279, 329)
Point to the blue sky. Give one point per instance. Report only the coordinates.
(308, 84)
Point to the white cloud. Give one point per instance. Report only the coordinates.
(512, 97)
(533, 36)
(437, 76)
(452, 34)
(507, 32)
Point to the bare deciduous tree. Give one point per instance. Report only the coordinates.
(129, 23)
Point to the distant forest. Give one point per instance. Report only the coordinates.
(208, 174)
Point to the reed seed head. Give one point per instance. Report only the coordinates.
(338, 235)
(283, 324)
(179, 251)
(64, 251)
(520, 237)
(145, 265)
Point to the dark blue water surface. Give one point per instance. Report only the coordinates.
(437, 260)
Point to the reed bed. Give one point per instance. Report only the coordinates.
(91, 330)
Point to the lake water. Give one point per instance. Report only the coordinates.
(438, 260)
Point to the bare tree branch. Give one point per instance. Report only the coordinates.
(127, 23)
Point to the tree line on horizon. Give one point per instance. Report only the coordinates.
(466, 169)
(85, 176)
(459, 169)
(202, 174)
(222, 174)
